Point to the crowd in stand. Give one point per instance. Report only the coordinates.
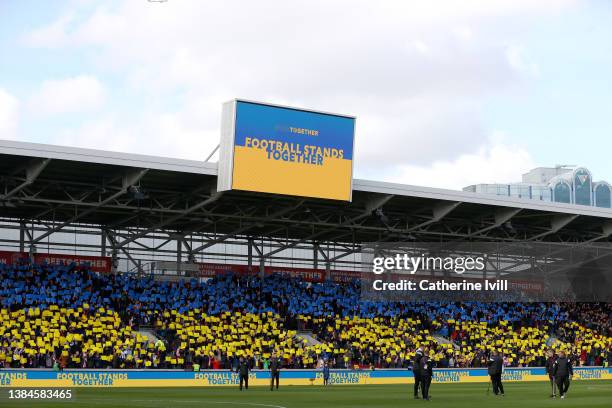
(69, 317)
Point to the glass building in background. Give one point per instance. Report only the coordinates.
(558, 184)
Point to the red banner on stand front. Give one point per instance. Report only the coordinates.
(207, 270)
(96, 263)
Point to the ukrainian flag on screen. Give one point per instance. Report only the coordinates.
(288, 151)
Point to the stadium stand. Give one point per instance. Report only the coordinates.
(65, 316)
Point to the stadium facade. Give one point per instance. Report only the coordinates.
(115, 213)
(554, 184)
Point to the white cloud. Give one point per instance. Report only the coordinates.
(77, 94)
(418, 131)
(518, 60)
(416, 74)
(169, 134)
(53, 35)
(494, 163)
(421, 47)
(9, 115)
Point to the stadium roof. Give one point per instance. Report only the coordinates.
(60, 186)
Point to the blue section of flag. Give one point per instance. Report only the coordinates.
(273, 123)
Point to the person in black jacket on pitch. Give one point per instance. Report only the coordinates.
(416, 370)
(275, 366)
(563, 371)
(495, 364)
(426, 368)
(550, 362)
(243, 372)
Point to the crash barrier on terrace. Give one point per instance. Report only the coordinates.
(178, 378)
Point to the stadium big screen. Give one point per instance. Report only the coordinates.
(282, 150)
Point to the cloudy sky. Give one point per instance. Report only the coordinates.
(446, 93)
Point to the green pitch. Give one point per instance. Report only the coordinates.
(588, 394)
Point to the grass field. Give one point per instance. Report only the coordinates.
(588, 394)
